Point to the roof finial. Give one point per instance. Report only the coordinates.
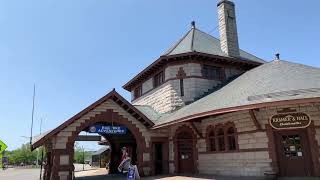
(193, 24)
(277, 57)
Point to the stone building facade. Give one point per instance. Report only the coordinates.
(205, 107)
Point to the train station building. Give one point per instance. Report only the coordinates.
(205, 107)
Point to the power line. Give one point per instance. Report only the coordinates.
(213, 30)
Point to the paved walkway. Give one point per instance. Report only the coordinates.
(103, 174)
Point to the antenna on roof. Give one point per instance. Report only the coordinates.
(277, 57)
(193, 24)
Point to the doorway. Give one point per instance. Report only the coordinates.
(158, 158)
(293, 153)
(185, 152)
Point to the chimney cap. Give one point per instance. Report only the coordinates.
(225, 1)
(193, 24)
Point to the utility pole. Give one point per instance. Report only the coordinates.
(83, 157)
(38, 149)
(34, 94)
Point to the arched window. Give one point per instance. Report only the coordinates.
(211, 141)
(231, 139)
(220, 137)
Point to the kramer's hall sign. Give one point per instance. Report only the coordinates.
(290, 121)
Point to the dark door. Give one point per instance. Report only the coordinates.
(185, 152)
(158, 158)
(293, 153)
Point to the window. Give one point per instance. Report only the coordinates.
(220, 136)
(137, 92)
(181, 87)
(211, 141)
(212, 72)
(158, 79)
(231, 139)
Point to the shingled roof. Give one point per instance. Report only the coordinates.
(198, 41)
(276, 81)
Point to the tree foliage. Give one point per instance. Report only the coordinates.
(23, 155)
(80, 155)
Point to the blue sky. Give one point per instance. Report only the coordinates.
(78, 50)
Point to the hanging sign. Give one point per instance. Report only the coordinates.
(290, 120)
(100, 129)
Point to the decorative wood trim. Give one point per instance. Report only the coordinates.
(254, 119)
(181, 73)
(196, 130)
(111, 95)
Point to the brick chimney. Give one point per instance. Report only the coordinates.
(228, 28)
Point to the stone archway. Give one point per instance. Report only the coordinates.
(59, 142)
(66, 168)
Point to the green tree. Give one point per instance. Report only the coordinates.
(23, 155)
(80, 154)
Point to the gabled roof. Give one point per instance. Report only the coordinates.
(39, 140)
(274, 82)
(199, 41)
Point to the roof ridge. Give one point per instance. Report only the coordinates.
(192, 38)
(176, 45)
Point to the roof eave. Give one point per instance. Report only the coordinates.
(238, 108)
(166, 58)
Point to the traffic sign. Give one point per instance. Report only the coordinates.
(3, 146)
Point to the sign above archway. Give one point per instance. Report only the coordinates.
(290, 120)
(100, 129)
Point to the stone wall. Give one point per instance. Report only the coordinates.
(235, 164)
(167, 97)
(247, 161)
(164, 98)
(253, 157)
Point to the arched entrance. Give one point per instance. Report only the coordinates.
(110, 109)
(133, 139)
(185, 141)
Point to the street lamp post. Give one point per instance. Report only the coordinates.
(83, 157)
